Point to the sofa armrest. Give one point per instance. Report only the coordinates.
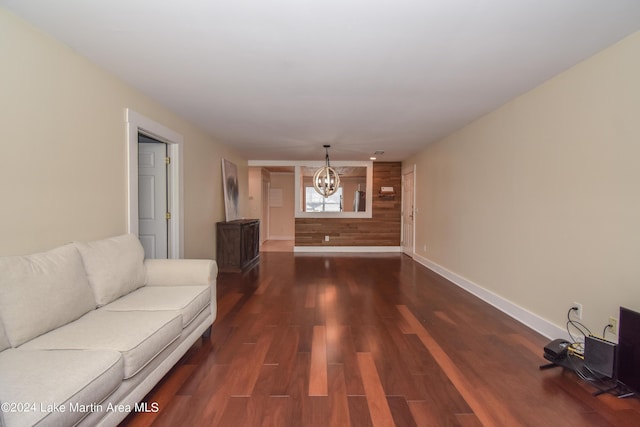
(175, 272)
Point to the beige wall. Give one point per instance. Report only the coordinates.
(539, 201)
(62, 133)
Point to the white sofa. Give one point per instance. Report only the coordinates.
(88, 329)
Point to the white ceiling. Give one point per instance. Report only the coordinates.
(277, 79)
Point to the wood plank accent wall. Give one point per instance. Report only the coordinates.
(382, 229)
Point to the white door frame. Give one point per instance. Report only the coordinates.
(265, 187)
(137, 123)
(406, 170)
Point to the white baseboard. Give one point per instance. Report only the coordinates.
(347, 249)
(533, 321)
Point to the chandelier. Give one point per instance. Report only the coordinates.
(326, 180)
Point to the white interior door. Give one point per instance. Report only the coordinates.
(152, 198)
(407, 212)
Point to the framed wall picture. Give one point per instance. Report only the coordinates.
(231, 190)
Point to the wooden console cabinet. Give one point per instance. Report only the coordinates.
(237, 244)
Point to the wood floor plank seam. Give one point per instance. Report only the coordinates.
(318, 383)
(490, 415)
(376, 398)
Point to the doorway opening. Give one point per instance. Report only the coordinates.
(408, 210)
(272, 192)
(138, 124)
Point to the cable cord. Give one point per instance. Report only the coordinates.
(580, 327)
(604, 331)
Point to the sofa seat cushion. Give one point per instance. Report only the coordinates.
(115, 266)
(41, 292)
(188, 301)
(138, 335)
(47, 380)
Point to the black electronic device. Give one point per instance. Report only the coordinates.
(556, 350)
(600, 356)
(628, 365)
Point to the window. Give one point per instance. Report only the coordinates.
(314, 202)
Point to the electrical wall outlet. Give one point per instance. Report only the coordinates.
(577, 310)
(613, 325)
(326, 238)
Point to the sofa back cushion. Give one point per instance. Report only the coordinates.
(41, 292)
(115, 266)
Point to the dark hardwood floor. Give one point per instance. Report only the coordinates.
(368, 340)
